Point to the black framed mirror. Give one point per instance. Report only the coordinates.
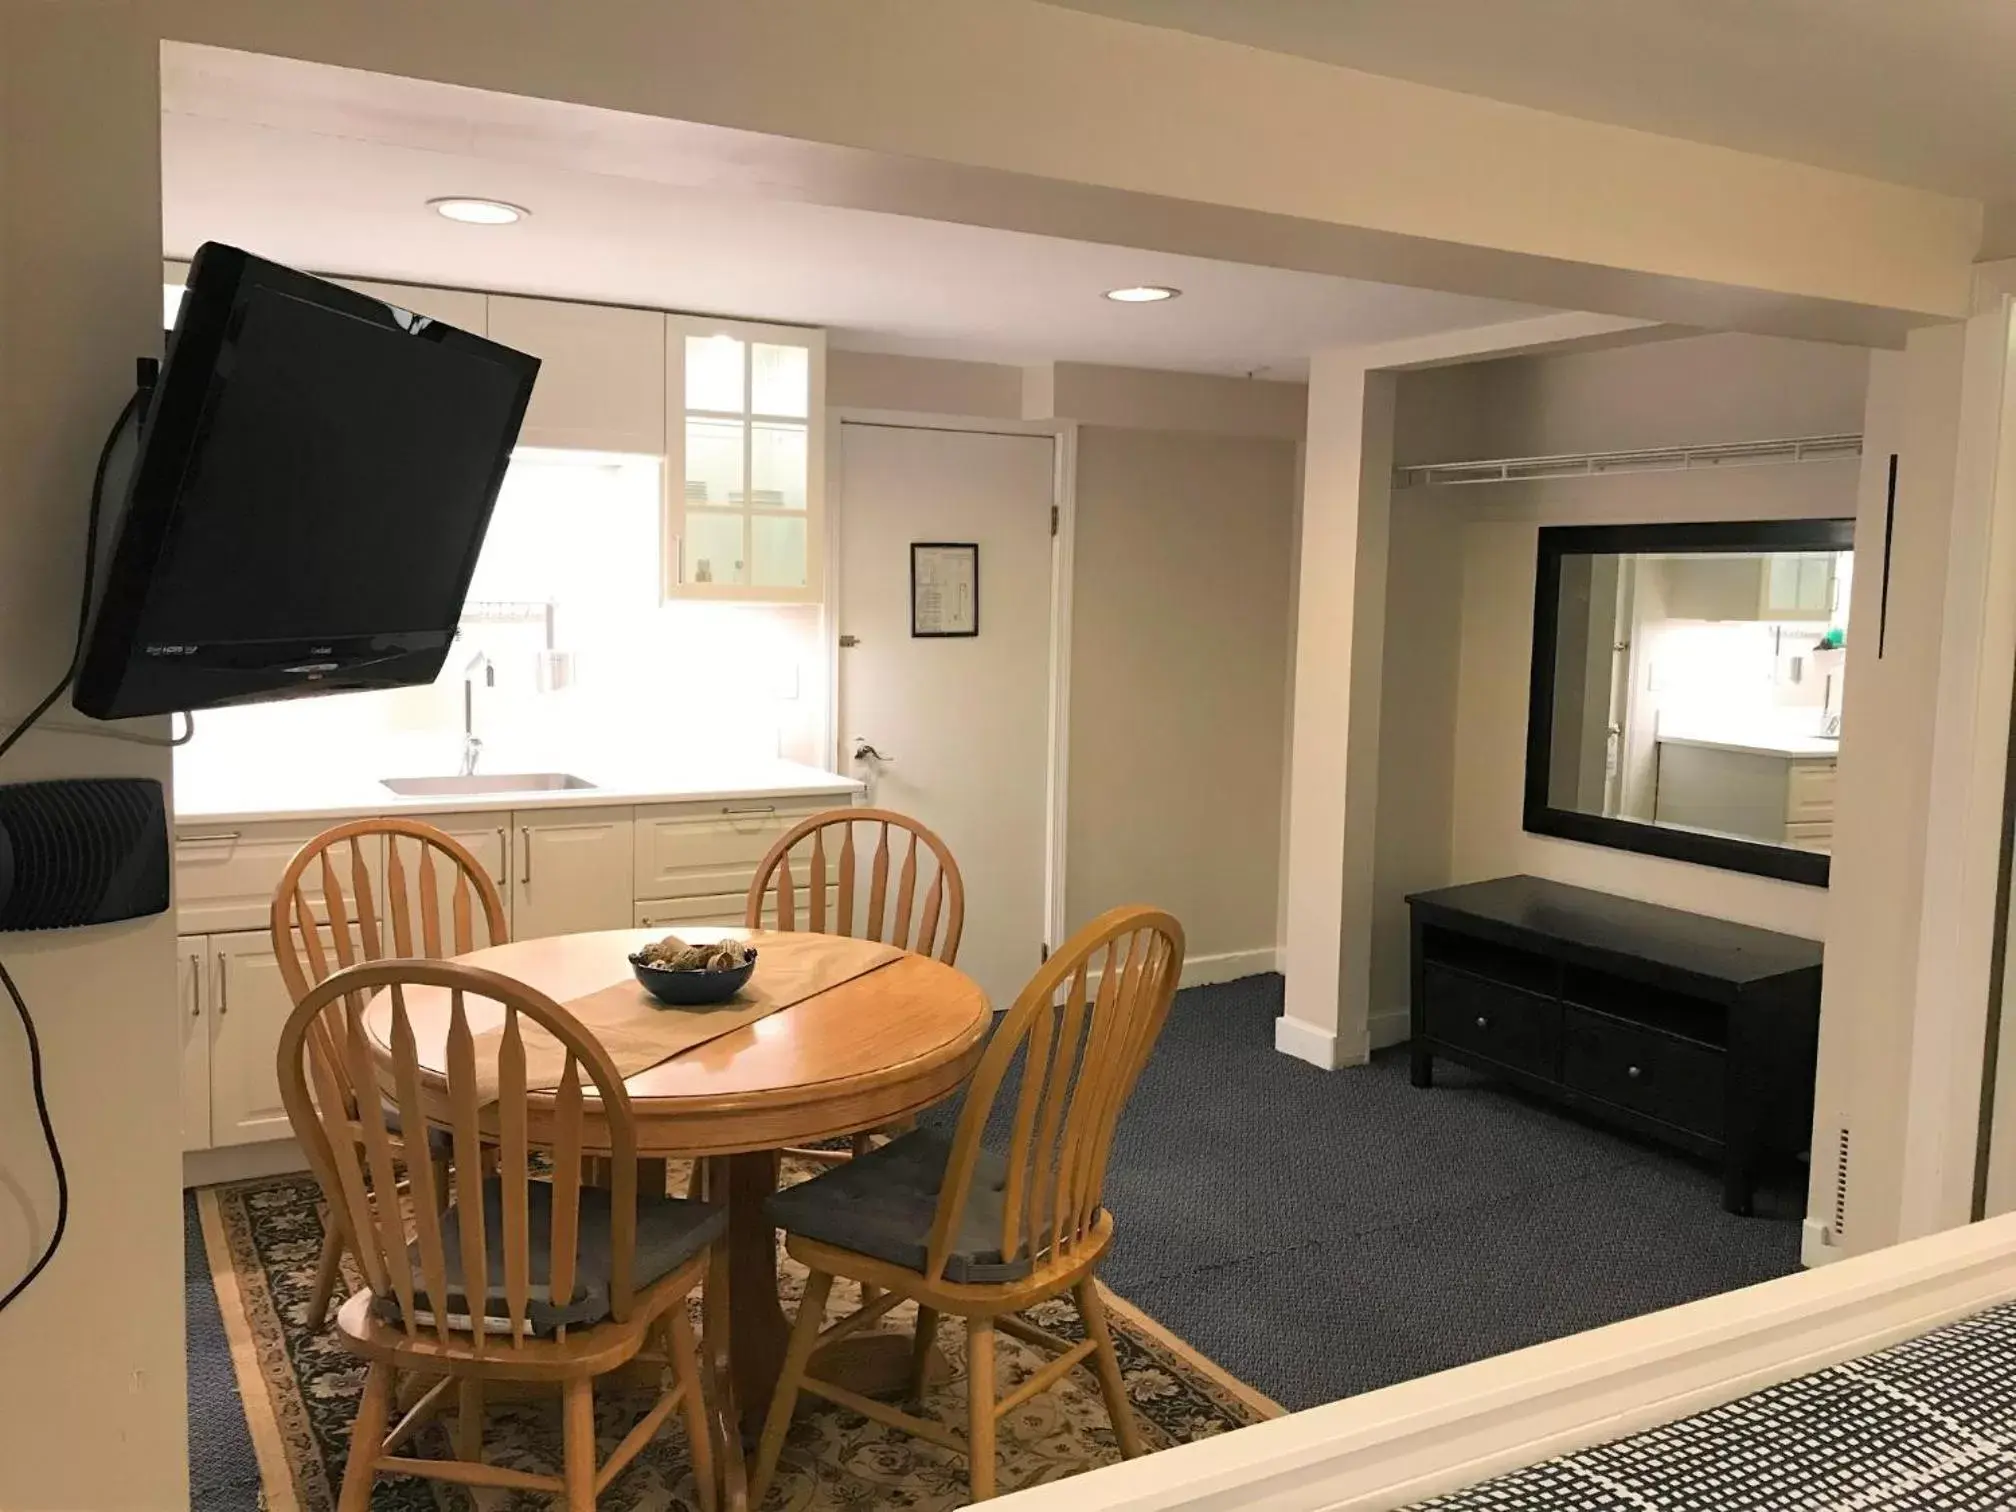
(1686, 690)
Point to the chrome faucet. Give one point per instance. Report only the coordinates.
(472, 746)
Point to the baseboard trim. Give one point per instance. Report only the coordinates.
(275, 1157)
(1227, 966)
(1390, 1026)
(1306, 1042)
(1817, 1246)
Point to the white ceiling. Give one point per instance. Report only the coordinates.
(331, 170)
(1918, 92)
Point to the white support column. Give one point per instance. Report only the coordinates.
(1334, 748)
(1920, 811)
(1340, 644)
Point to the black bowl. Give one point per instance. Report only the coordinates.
(693, 989)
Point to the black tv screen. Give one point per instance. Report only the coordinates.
(315, 474)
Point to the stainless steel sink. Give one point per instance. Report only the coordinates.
(485, 782)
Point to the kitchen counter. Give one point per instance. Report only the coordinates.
(1764, 743)
(205, 798)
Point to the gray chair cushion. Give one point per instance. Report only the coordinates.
(670, 1231)
(883, 1204)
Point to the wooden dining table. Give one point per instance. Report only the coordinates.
(867, 1053)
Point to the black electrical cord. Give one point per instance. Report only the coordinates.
(41, 1264)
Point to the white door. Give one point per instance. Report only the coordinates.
(572, 872)
(963, 722)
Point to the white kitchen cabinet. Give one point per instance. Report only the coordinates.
(1781, 586)
(601, 384)
(571, 871)
(687, 850)
(225, 874)
(723, 910)
(192, 1007)
(457, 307)
(488, 838)
(745, 445)
(1798, 585)
(1778, 798)
(248, 1007)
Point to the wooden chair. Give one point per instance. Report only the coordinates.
(931, 929)
(456, 878)
(505, 1278)
(1006, 1230)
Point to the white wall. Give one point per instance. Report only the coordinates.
(931, 385)
(1179, 671)
(91, 1360)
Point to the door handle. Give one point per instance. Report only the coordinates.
(223, 984)
(525, 871)
(503, 858)
(195, 984)
(863, 751)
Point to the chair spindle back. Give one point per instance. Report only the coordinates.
(424, 868)
(1085, 1048)
(352, 1147)
(833, 865)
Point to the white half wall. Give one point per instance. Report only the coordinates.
(92, 1380)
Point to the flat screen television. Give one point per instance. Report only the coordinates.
(314, 476)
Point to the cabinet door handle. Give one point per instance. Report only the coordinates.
(525, 873)
(1483, 1021)
(195, 984)
(1634, 1072)
(223, 984)
(502, 879)
(750, 808)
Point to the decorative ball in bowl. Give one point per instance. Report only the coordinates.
(693, 976)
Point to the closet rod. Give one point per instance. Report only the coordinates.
(1646, 459)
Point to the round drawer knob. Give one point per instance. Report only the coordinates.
(1634, 1072)
(1483, 1022)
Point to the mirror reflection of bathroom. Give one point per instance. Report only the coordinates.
(1702, 690)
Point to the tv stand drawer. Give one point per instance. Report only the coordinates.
(1505, 1024)
(1660, 1075)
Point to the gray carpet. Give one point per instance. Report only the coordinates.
(1323, 1233)
(222, 1471)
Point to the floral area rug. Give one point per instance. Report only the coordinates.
(300, 1388)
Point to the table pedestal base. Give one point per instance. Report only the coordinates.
(873, 1364)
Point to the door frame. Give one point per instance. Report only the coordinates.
(1063, 499)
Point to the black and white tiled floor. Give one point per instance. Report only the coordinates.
(1928, 1425)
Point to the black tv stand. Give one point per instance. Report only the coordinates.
(1697, 1032)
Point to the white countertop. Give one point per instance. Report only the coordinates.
(212, 797)
(1763, 743)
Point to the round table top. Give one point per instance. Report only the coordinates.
(857, 1056)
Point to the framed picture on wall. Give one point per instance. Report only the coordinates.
(944, 589)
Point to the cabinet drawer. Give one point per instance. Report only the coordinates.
(1810, 836)
(1809, 791)
(225, 874)
(1515, 1028)
(720, 910)
(698, 850)
(1659, 1075)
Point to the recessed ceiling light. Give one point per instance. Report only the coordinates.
(478, 212)
(1143, 294)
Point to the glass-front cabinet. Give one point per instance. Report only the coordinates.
(745, 478)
